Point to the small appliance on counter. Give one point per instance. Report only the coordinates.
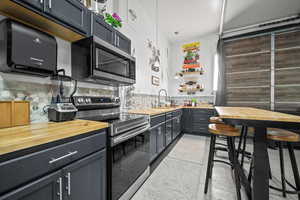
(26, 50)
(63, 88)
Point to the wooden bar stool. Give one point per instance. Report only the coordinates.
(281, 136)
(216, 120)
(230, 133)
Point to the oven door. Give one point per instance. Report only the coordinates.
(113, 67)
(130, 157)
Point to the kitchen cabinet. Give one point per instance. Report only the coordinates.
(157, 135)
(161, 135)
(109, 34)
(169, 130)
(83, 179)
(195, 121)
(86, 179)
(102, 30)
(122, 42)
(46, 188)
(71, 12)
(176, 126)
(79, 166)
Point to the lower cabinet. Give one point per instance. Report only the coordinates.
(169, 130)
(176, 126)
(83, 179)
(161, 143)
(86, 179)
(196, 120)
(46, 188)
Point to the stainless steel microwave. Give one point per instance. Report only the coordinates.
(95, 60)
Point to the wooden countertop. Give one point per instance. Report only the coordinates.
(157, 111)
(247, 113)
(23, 137)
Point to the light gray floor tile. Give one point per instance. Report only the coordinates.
(181, 175)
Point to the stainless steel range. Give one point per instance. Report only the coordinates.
(128, 153)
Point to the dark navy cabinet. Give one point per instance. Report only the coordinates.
(71, 12)
(74, 170)
(86, 179)
(169, 130)
(46, 188)
(196, 120)
(122, 42)
(102, 30)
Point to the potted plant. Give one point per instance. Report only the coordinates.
(114, 20)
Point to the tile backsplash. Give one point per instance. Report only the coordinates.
(39, 93)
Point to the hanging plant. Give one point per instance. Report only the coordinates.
(114, 20)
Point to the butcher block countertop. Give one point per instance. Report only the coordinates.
(23, 137)
(157, 111)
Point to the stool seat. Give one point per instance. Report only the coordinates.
(282, 135)
(224, 130)
(216, 120)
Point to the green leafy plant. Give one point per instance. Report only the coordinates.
(114, 20)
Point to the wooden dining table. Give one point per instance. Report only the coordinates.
(260, 120)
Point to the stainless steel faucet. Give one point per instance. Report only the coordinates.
(159, 94)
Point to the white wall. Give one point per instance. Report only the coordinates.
(207, 51)
(139, 31)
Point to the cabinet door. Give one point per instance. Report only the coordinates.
(71, 12)
(187, 120)
(122, 42)
(168, 132)
(176, 126)
(46, 188)
(161, 131)
(86, 178)
(153, 143)
(102, 30)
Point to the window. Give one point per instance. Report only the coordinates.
(216, 72)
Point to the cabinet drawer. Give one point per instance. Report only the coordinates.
(157, 119)
(169, 116)
(32, 166)
(177, 113)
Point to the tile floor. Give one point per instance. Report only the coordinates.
(181, 175)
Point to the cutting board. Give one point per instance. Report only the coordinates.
(14, 113)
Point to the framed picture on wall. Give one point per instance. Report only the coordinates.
(155, 80)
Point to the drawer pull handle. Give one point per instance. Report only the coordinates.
(59, 181)
(63, 157)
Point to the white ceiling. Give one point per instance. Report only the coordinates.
(194, 18)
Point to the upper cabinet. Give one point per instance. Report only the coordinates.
(102, 30)
(67, 19)
(122, 42)
(71, 12)
(107, 33)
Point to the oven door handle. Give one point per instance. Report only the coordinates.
(127, 136)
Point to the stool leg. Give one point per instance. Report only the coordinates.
(294, 166)
(210, 162)
(244, 145)
(235, 165)
(240, 142)
(282, 169)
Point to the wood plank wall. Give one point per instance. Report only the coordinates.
(249, 70)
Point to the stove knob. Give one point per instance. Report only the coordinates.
(87, 100)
